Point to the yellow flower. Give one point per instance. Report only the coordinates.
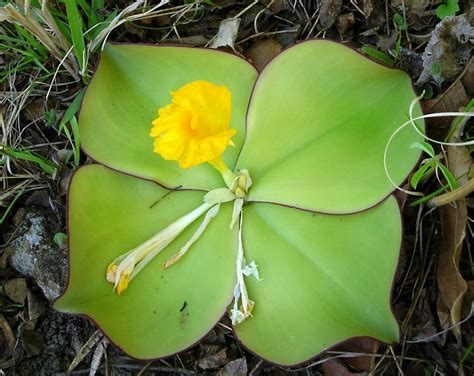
(194, 128)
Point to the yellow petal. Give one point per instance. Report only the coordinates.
(194, 128)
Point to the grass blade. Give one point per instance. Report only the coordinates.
(75, 23)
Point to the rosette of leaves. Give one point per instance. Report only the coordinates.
(320, 220)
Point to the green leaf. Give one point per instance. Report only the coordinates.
(399, 22)
(46, 165)
(77, 141)
(60, 238)
(453, 183)
(75, 24)
(131, 83)
(377, 55)
(428, 91)
(324, 279)
(449, 8)
(424, 171)
(317, 141)
(110, 213)
(73, 108)
(70, 117)
(424, 146)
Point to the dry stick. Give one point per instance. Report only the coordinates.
(452, 196)
(376, 366)
(256, 367)
(353, 354)
(145, 367)
(86, 349)
(396, 361)
(255, 21)
(349, 355)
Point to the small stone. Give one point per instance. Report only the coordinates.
(35, 255)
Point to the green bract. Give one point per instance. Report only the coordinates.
(311, 130)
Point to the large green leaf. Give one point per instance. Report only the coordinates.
(319, 119)
(131, 83)
(325, 278)
(162, 312)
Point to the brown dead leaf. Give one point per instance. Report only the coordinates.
(451, 284)
(237, 367)
(360, 345)
(329, 11)
(345, 23)
(5, 256)
(468, 77)
(213, 357)
(34, 110)
(262, 51)
(450, 100)
(8, 333)
(35, 306)
(33, 342)
(15, 289)
(367, 7)
(334, 368)
(459, 162)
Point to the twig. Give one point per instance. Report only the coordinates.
(453, 195)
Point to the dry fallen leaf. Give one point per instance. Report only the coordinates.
(262, 51)
(8, 333)
(15, 289)
(468, 77)
(213, 356)
(35, 306)
(345, 23)
(361, 345)
(329, 11)
(227, 34)
(450, 100)
(333, 367)
(97, 357)
(448, 50)
(451, 284)
(237, 367)
(85, 350)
